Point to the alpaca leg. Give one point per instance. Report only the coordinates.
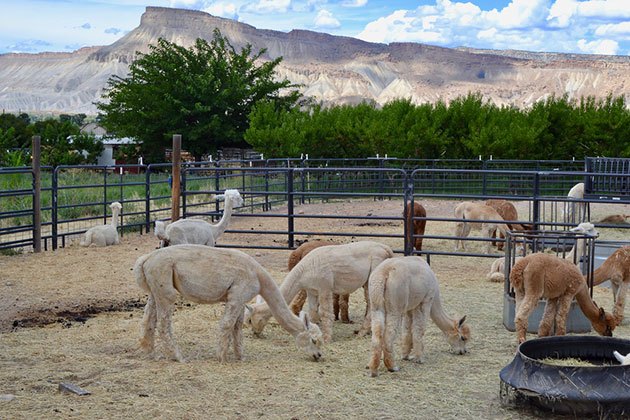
(378, 327)
(237, 336)
(459, 233)
(620, 302)
(233, 311)
(344, 305)
(521, 319)
(326, 315)
(418, 328)
(564, 303)
(149, 320)
(298, 302)
(392, 326)
(407, 340)
(365, 327)
(336, 306)
(313, 306)
(165, 309)
(546, 323)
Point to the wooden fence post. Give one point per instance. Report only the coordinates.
(175, 174)
(37, 190)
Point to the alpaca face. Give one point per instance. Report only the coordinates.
(459, 337)
(255, 319)
(606, 325)
(310, 341)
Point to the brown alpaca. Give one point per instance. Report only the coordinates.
(418, 225)
(617, 219)
(616, 268)
(340, 303)
(539, 276)
(508, 212)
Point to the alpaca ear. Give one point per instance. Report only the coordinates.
(602, 314)
(248, 309)
(259, 300)
(461, 322)
(304, 319)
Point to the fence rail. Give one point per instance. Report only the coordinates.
(74, 198)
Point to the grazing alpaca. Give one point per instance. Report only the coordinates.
(497, 270)
(477, 216)
(508, 212)
(205, 274)
(197, 231)
(340, 303)
(406, 289)
(558, 280)
(106, 234)
(418, 225)
(340, 269)
(575, 193)
(616, 268)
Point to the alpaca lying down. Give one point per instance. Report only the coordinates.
(104, 235)
(405, 290)
(205, 274)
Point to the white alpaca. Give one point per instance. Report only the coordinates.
(326, 270)
(205, 274)
(575, 193)
(406, 289)
(106, 234)
(624, 360)
(477, 216)
(197, 231)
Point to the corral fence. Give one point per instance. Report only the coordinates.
(74, 198)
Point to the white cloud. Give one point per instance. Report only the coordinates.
(189, 4)
(225, 10)
(518, 14)
(603, 46)
(268, 6)
(620, 30)
(353, 3)
(326, 20)
(565, 12)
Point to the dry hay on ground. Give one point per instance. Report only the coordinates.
(274, 381)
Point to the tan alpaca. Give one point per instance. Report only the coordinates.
(616, 268)
(558, 280)
(340, 269)
(418, 225)
(508, 212)
(483, 218)
(205, 274)
(340, 303)
(106, 234)
(405, 289)
(616, 219)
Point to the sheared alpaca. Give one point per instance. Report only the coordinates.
(340, 269)
(477, 216)
(205, 274)
(624, 360)
(575, 193)
(508, 212)
(405, 289)
(340, 303)
(558, 280)
(616, 268)
(497, 270)
(418, 225)
(106, 234)
(197, 231)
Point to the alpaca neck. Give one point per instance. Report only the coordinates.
(440, 317)
(588, 307)
(115, 214)
(576, 251)
(601, 274)
(291, 286)
(278, 305)
(220, 227)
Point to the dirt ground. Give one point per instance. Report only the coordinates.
(72, 316)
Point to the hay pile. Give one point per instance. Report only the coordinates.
(274, 381)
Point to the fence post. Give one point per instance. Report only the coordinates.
(37, 191)
(147, 198)
(175, 189)
(536, 201)
(290, 210)
(55, 205)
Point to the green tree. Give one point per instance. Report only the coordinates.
(205, 93)
(63, 144)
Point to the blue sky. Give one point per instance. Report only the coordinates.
(589, 26)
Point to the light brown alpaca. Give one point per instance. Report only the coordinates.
(477, 216)
(340, 303)
(418, 225)
(406, 289)
(616, 268)
(205, 274)
(508, 212)
(558, 280)
(340, 269)
(497, 270)
(616, 219)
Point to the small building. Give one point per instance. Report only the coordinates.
(110, 144)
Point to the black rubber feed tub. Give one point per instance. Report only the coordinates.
(601, 389)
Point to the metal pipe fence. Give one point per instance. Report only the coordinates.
(75, 198)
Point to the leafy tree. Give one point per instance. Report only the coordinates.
(205, 93)
(62, 144)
